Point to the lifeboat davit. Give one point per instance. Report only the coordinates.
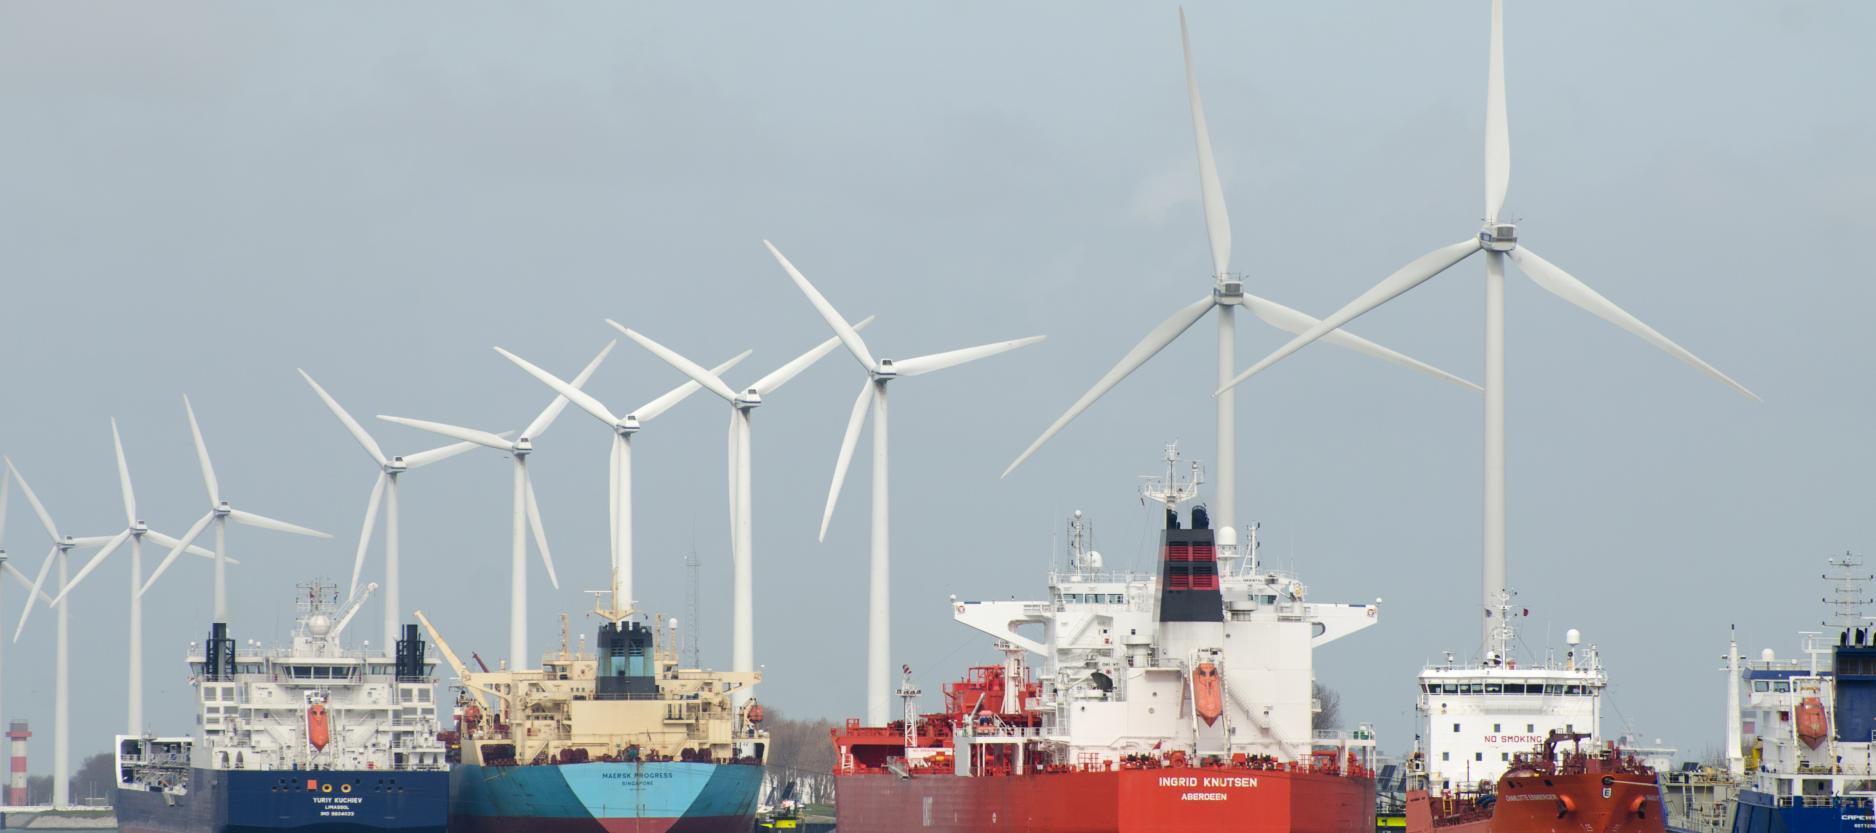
(1208, 692)
(318, 730)
(1813, 725)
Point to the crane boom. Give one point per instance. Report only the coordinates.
(449, 656)
(351, 609)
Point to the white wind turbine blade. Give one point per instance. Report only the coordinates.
(920, 365)
(123, 477)
(1407, 277)
(578, 397)
(358, 431)
(552, 412)
(371, 522)
(695, 371)
(1217, 223)
(847, 442)
(1296, 322)
(175, 550)
(1497, 126)
(440, 453)
(1563, 285)
(162, 540)
(264, 522)
(540, 535)
(45, 518)
(201, 454)
(109, 547)
(39, 581)
(780, 376)
(25, 583)
(1155, 341)
(454, 432)
(664, 402)
(848, 335)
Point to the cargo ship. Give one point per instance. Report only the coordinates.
(1178, 701)
(1804, 738)
(311, 737)
(620, 739)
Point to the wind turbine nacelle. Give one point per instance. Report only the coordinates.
(628, 424)
(749, 398)
(885, 370)
(1499, 237)
(395, 465)
(1230, 289)
(524, 445)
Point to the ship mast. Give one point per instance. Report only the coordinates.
(1847, 592)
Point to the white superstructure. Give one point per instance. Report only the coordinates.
(1118, 677)
(378, 709)
(1475, 718)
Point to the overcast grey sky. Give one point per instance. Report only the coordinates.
(199, 198)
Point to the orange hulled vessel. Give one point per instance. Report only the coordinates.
(1547, 791)
(1178, 701)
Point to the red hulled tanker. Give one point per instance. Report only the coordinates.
(1173, 702)
(1545, 791)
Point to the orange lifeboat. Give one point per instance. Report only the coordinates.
(1208, 692)
(318, 731)
(1813, 725)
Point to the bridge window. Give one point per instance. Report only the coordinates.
(1761, 686)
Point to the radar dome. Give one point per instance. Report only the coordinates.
(1092, 560)
(1226, 536)
(1767, 655)
(1573, 636)
(319, 624)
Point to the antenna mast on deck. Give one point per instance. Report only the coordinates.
(1847, 592)
(688, 636)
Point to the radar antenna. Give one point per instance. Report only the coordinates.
(1168, 489)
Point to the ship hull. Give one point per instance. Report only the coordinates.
(322, 801)
(1758, 812)
(1572, 803)
(605, 797)
(1167, 800)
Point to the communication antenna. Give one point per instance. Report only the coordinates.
(1847, 596)
(687, 637)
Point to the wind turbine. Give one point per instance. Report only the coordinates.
(527, 510)
(62, 545)
(1499, 240)
(1227, 294)
(873, 395)
(742, 538)
(220, 512)
(135, 531)
(383, 492)
(6, 566)
(619, 482)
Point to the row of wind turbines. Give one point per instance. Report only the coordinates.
(526, 516)
(1497, 238)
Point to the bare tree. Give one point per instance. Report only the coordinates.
(96, 778)
(801, 751)
(1328, 713)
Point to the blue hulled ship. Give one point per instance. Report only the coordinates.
(310, 738)
(617, 740)
(1807, 726)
